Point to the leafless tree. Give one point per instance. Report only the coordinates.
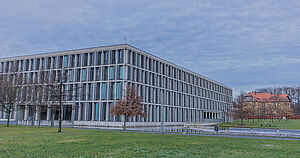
(239, 108)
(9, 92)
(40, 96)
(129, 107)
(58, 94)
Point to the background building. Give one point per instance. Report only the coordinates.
(264, 105)
(99, 76)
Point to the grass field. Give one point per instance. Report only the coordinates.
(20, 141)
(290, 124)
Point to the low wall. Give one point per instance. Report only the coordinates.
(111, 124)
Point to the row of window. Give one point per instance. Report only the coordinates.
(101, 112)
(145, 62)
(138, 60)
(157, 80)
(66, 61)
(113, 91)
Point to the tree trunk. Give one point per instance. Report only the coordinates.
(59, 122)
(33, 118)
(8, 119)
(39, 121)
(124, 126)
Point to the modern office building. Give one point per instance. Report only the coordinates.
(99, 76)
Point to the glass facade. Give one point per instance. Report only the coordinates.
(100, 76)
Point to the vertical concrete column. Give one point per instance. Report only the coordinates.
(175, 115)
(26, 112)
(150, 113)
(4, 114)
(93, 111)
(15, 112)
(107, 112)
(37, 114)
(1, 113)
(48, 113)
(79, 111)
(86, 111)
(157, 116)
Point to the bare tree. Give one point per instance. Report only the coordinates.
(285, 111)
(40, 97)
(129, 107)
(58, 93)
(9, 93)
(239, 110)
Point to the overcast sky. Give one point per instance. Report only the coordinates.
(243, 44)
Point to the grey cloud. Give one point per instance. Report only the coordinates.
(239, 43)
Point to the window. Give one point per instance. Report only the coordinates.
(78, 75)
(129, 73)
(31, 66)
(120, 72)
(129, 57)
(72, 61)
(90, 93)
(26, 65)
(37, 64)
(92, 59)
(138, 61)
(112, 73)
(78, 60)
(121, 56)
(22, 64)
(98, 73)
(83, 76)
(98, 58)
(105, 57)
(113, 57)
(103, 91)
(83, 94)
(96, 111)
(66, 57)
(71, 76)
(60, 61)
(119, 90)
(2, 66)
(105, 73)
(91, 74)
(133, 58)
(97, 91)
(85, 59)
(111, 91)
(142, 61)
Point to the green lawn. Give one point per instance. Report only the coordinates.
(290, 124)
(20, 141)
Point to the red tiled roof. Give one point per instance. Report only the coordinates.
(266, 97)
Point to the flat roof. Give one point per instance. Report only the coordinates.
(93, 49)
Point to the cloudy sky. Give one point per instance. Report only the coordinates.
(243, 44)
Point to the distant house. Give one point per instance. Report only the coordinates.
(265, 103)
